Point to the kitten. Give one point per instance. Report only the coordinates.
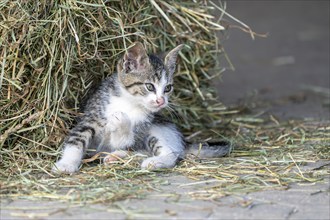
(122, 115)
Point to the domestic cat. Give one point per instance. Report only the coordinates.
(123, 115)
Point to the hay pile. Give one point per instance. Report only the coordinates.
(52, 52)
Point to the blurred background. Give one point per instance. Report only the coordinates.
(287, 73)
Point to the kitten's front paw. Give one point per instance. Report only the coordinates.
(115, 156)
(64, 167)
(119, 121)
(152, 163)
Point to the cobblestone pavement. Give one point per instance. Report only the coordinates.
(309, 201)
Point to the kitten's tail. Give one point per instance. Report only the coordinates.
(209, 149)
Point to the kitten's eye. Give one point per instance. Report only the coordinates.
(168, 88)
(150, 87)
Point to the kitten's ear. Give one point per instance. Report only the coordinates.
(134, 60)
(170, 59)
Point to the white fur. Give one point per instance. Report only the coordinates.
(172, 147)
(161, 87)
(70, 161)
(122, 114)
(120, 130)
(128, 104)
(150, 100)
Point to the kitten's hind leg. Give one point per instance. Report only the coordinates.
(165, 144)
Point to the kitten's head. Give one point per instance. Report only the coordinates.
(147, 77)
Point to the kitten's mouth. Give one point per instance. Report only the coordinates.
(156, 107)
(160, 105)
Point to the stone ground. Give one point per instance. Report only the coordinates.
(299, 202)
(280, 75)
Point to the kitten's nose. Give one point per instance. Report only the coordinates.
(160, 101)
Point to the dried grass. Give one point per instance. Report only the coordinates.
(51, 54)
(267, 155)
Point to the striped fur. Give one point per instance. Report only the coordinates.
(121, 114)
